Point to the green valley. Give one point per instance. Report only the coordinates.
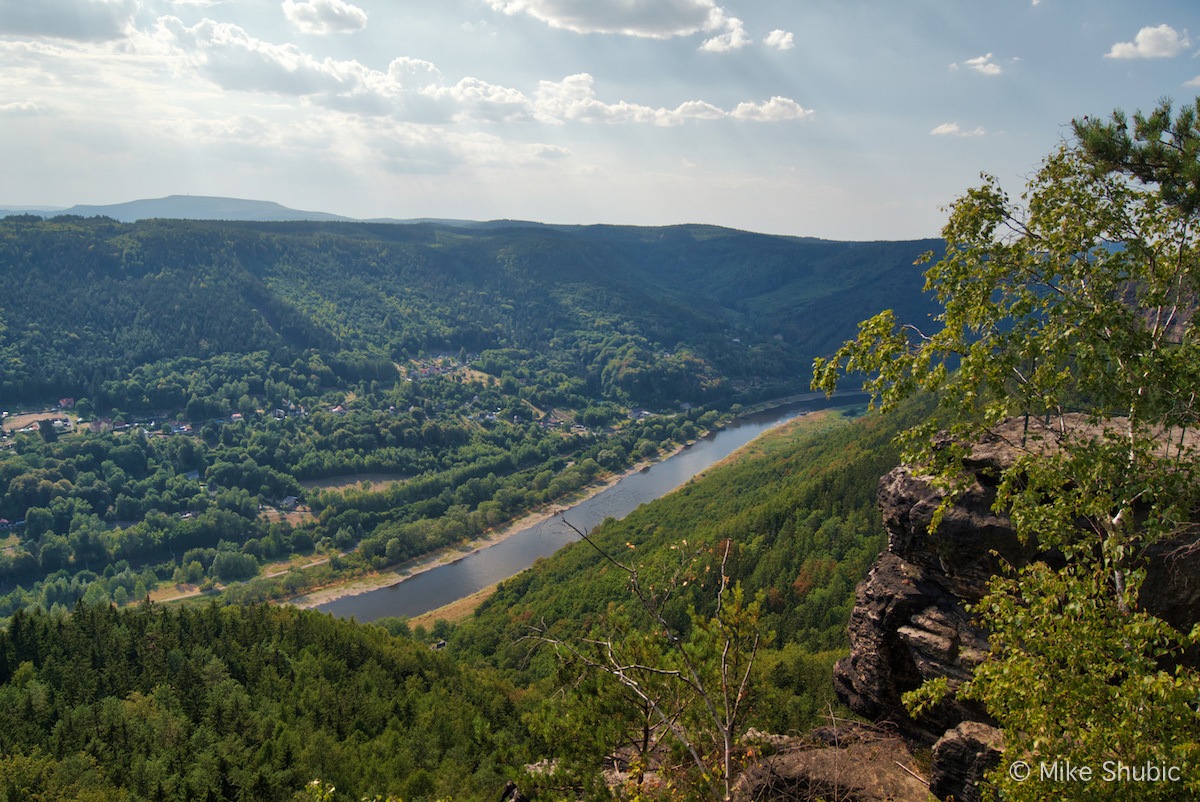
(226, 387)
(165, 703)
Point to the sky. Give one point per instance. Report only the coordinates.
(841, 119)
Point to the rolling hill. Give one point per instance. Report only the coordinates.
(649, 315)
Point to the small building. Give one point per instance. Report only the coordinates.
(66, 403)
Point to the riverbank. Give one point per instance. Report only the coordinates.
(398, 575)
(455, 611)
(392, 576)
(456, 606)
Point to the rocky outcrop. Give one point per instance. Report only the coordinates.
(845, 762)
(961, 758)
(910, 622)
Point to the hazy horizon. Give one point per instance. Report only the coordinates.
(858, 121)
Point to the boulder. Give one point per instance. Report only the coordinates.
(961, 759)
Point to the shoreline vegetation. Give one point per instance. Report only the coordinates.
(360, 583)
(472, 374)
(394, 575)
(464, 607)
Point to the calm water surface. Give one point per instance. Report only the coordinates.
(451, 582)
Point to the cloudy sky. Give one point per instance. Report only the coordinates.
(847, 119)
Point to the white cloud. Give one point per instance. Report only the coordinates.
(325, 16)
(82, 20)
(777, 109)
(733, 39)
(1194, 82)
(20, 107)
(1161, 41)
(411, 89)
(574, 98)
(655, 19)
(983, 64)
(232, 59)
(475, 99)
(953, 129)
(413, 72)
(780, 40)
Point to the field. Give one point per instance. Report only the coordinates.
(375, 481)
(15, 422)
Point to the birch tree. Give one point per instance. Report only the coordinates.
(1072, 310)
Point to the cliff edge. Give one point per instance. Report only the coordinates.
(910, 622)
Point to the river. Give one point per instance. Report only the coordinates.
(448, 583)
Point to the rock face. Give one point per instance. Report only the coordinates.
(910, 622)
(961, 758)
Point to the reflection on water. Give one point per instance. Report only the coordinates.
(448, 583)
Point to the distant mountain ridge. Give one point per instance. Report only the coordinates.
(211, 207)
(186, 207)
(208, 207)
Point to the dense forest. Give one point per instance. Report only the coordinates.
(226, 387)
(240, 703)
(171, 703)
(115, 313)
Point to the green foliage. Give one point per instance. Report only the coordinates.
(653, 316)
(683, 688)
(800, 511)
(272, 698)
(1159, 148)
(240, 703)
(1074, 314)
(481, 373)
(798, 514)
(484, 372)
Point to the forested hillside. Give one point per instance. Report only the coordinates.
(792, 524)
(647, 315)
(227, 387)
(241, 703)
(148, 703)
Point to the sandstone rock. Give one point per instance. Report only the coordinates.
(860, 764)
(906, 628)
(961, 758)
(910, 622)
